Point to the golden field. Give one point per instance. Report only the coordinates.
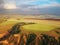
(41, 26)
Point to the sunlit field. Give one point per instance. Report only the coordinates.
(40, 25)
(37, 29)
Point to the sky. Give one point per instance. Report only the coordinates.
(30, 7)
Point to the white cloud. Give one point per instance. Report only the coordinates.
(10, 6)
(50, 4)
(31, 7)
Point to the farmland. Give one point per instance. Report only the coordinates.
(37, 26)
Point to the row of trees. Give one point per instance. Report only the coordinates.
(30, 38)
(33, 39)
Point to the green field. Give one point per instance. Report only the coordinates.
(40, 25)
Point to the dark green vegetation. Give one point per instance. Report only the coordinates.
(31, 38)
(46, 40)
(15, 29)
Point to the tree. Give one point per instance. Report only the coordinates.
(31, 37)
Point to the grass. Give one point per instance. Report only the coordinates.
(41, 25)
(8, 22)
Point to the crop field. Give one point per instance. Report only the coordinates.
(40, 25)
(31, 26)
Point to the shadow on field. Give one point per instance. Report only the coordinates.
(15, 36)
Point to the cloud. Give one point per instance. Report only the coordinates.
(28, 4)
(33, 7)
(10, 6)
(1, 1)
(46, 5)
